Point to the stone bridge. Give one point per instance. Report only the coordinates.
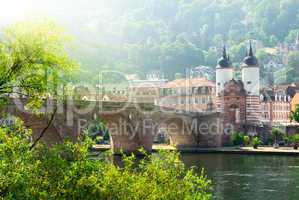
(130, 125)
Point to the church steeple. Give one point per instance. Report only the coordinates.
(250, 49)
(224, 61)
(224, 52)
(250, 59)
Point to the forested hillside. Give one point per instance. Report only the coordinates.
(138, 36)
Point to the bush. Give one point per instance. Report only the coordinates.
(65, 171)
(246, 140)
(256, 142)
(295, 140)
(277, 134)
(237, 138)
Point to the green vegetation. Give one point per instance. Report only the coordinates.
(240, 139)
(295, 114)
(246, 140)
(295, 140)
(97, 131)
(256, 142)
(65, 171)
(237, 139)
(277, 135)
(34, 59)
(135, 36)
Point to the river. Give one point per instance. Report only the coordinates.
(250, 177)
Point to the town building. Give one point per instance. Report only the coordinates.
(147, 90)
(284, 49)
(192, 94)
(243, 104)
(275, 106)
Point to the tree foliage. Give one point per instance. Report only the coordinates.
(66, 171)
(33, 59)
(141, 36)
(295, 114)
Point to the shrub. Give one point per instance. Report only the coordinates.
(295, 114)
(256, 142)
(277, 134)
(237, 138)
(246, 140)
(65, 171)
(295, 140)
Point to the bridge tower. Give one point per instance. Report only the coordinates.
(251, 81)
(224, 72)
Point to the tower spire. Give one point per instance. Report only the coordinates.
(224, 55)
(250, 48)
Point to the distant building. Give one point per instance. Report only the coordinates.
(275, 106)
(284, 49)
(194, 94)
(146, 91)
(273, 64)
(247, 107)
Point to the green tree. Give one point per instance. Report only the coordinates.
(34, 59)
(211, 57)
(66, 171)
(293, 66)
(295, 114)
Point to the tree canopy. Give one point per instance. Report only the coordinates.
(33, 59)
(140, 36)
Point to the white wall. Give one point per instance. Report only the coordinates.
(223, 76)
(251, 80)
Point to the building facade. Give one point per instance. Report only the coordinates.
(275, 107)
(239, 100)
(194, 94)
(243, 104)
(148, 90)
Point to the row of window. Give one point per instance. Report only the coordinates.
(278, 107)
(183, 101)
(278, 115)
(186, 91)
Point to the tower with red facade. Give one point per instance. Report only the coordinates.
(238, 101)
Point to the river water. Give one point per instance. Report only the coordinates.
(250, 177)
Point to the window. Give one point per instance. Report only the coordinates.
(248, 82)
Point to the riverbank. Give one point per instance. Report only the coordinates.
(228, 150)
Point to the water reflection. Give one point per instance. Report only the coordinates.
(256, 177)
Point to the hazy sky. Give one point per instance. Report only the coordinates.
(15, 10)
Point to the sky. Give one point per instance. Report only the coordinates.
(16, 10)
